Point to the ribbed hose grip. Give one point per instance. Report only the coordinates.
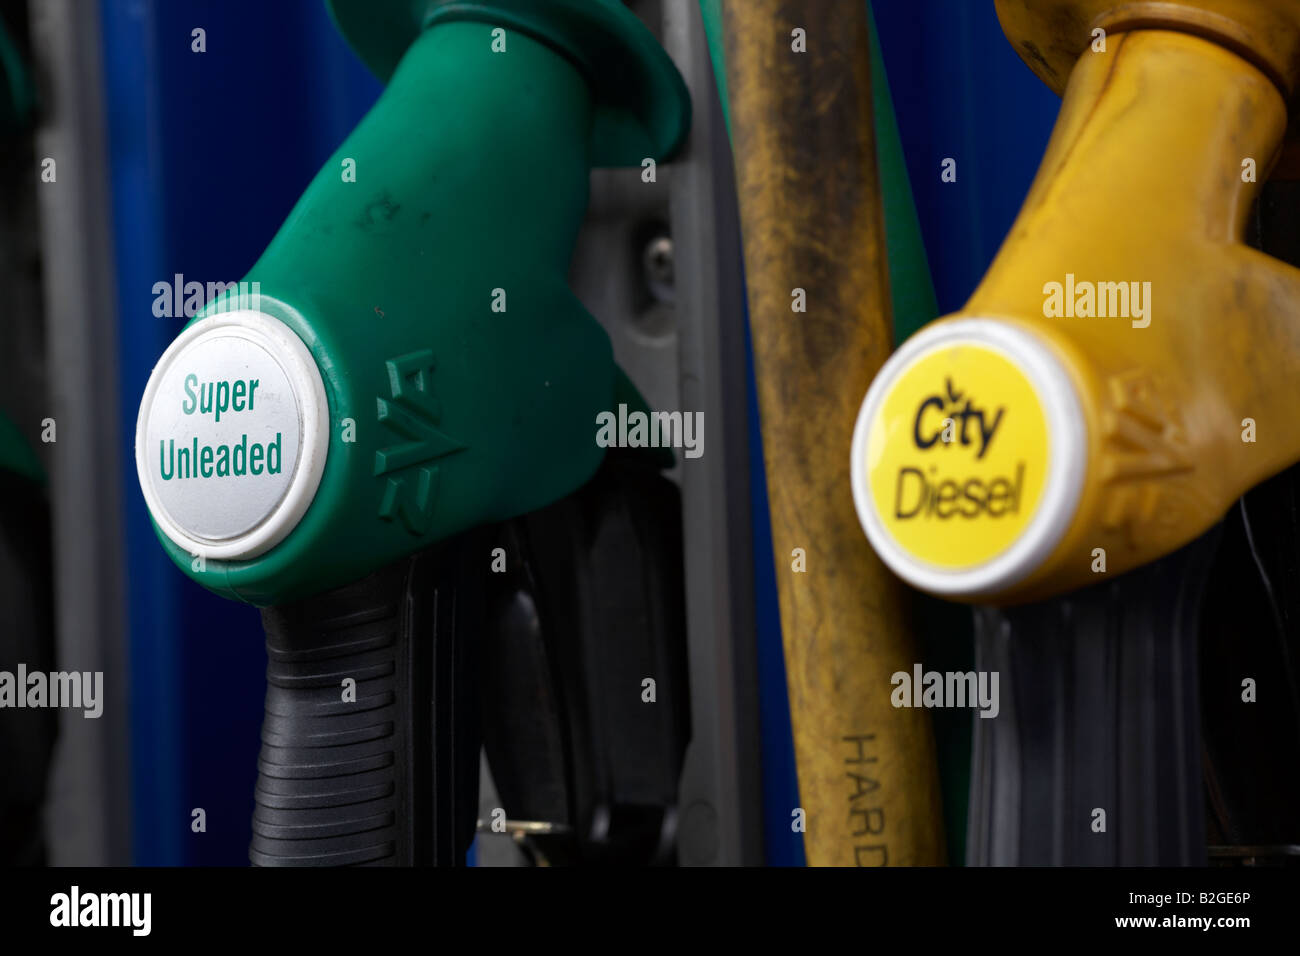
(1099, 711)
(370, 739)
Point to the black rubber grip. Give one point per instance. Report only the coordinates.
(27, 637)
(385, 772)
(1099, 710)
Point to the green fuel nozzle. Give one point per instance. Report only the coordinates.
(337, 438)
(409, 362)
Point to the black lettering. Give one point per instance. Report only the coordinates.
(861, 739)
(965, 415)
(999, 494)
(898, 496)
(865, 785)
(986, 434)
(921, 443)
(869, 815)
(946, 495)
(861, 853)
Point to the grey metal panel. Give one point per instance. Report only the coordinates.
(88, 814)
(721, 784)
(682, 343)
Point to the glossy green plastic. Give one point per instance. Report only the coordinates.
(16, 454)
(431, 290)
(17, 92)
(16, 102)
(640, 106)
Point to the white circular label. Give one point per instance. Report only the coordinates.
(232, 435)
(963, 516)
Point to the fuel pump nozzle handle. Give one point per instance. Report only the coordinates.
(403, 364)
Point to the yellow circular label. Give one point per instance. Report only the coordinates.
(957, 456)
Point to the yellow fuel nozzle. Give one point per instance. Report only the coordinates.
(1127, 368)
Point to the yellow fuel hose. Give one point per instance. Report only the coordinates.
(798, 81)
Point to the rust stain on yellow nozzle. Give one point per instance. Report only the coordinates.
(1126, 370)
